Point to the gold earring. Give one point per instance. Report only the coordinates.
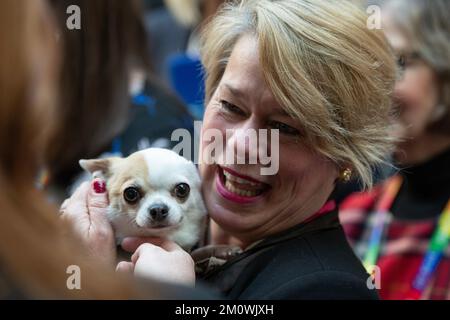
(346, 174)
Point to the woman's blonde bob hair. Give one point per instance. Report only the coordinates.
(323, 65)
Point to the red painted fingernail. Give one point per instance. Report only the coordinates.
(99, 186)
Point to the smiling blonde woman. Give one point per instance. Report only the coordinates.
(315, 72)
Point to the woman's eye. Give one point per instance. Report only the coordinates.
(401, 61)
(284, 128)
(229, 107)
(408, 60)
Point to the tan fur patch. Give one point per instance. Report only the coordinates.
(125, 172)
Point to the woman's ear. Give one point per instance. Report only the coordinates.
(99, 168)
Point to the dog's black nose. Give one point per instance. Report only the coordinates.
(158, 212)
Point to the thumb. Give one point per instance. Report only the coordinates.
(125, 267)
(97, 199)
(130, 244)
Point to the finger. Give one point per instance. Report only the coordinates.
(125, 267)
(139, 251)
(80, 193)
(97, 196)
(76, 205)
(169, 245)
(136, 254)
(97, 202)
(131, 244)
(63, 207)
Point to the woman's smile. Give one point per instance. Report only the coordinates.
(239, 188)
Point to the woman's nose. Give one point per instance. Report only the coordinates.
(399, 88)
(402, 85)
(244, 143)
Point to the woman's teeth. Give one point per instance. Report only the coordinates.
(229, 179)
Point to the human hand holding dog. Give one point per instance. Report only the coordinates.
(158, 259)
(86, 213)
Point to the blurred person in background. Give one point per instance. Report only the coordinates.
(172, 27)
(174, 30)
(36, 248)
(193, 14)
(403, 224)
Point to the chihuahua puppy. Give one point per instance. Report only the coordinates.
(152, 193)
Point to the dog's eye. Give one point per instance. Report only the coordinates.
(131, 195)
(181, 190)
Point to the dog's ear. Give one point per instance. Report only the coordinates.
(100, 168)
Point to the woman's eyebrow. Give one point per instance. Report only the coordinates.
(234, 91)
(241, 95)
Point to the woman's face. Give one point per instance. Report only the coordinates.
(416, 92)
(271, 203)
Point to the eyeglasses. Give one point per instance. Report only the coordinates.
(405, 60)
